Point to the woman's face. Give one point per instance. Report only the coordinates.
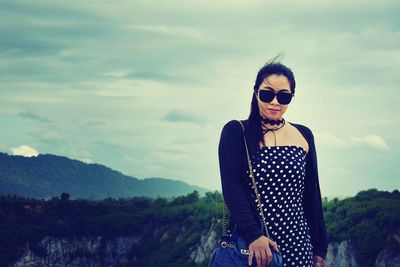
(273, 110)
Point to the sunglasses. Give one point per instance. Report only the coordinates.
(267, 96)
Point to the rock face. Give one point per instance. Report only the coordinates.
(101, 252)
(386, 258)
(341, 255)
(206, 246)
(390, 255)
(80, 251)
(120, 251)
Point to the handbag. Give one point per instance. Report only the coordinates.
(231, 250)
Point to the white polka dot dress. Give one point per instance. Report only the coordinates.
(279, 172)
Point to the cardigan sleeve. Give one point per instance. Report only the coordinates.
(313, 202)
(231, 152)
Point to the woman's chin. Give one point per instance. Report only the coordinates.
(273, 116)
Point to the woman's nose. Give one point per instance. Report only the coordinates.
(275, 100)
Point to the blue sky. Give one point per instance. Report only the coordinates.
(145, 87)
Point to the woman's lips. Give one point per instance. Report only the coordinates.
(273, 110)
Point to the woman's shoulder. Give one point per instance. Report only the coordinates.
(231, 123)
(234, 125)
(308, 135)
(303, 129)
(233, 129)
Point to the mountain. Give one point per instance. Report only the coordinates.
(47, 176)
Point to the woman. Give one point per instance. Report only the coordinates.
(284, 163)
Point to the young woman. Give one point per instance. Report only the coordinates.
(284, 162)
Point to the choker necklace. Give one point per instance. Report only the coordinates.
(272, 122)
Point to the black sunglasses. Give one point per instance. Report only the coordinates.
(267, 96)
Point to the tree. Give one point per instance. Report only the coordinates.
(64, 196)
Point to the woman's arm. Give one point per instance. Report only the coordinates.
(313, 202)
(231, 152)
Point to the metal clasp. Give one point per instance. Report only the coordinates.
(245, 251)
(225, 244)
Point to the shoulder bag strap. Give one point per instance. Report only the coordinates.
(259, 205)
(255, 191)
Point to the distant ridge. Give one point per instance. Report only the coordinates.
(48, 175)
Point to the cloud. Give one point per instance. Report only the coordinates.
(116, 144)
(150, 75)
(371, 141)
(80, 154)
(183, 116)
(49, 136)
(25, 151)
(86, 160)
(2, 149)
(30, 115)
(330, 139)
(183, 31)
(106, 78)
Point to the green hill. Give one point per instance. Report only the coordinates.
(47, 175)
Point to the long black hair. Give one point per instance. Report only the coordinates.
(273, 66)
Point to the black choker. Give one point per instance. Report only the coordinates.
(272, 122)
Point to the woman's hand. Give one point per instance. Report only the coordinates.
(319, 261)
(261, 250)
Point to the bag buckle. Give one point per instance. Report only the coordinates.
(245, 251)
(225, 244)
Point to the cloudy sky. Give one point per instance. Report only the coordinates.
(144, 87)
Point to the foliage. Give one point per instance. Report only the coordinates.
(369, 219)
(24, 220)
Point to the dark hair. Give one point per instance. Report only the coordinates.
(273, 66)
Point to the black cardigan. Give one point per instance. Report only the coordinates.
(242, 210)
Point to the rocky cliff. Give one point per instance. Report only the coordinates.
(120, 251)
(343, 254)
(109, 252)
(80, 251)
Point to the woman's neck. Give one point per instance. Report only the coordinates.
(271, 125)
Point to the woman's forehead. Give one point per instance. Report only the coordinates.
(276, 82)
